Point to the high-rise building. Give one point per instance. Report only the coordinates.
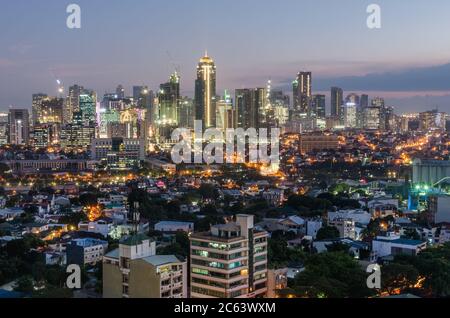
(19, 126)
(77, 136)
(350, 115)
(120, 92)
(229, 261)
(36, 107)
(135, 271)
(88, 107)
(118, 153)
(47, 110)
(372, 118)
(45, 135)
(318, 105)
(337, 101)
(364, 101)
(205, 92)
(169, 101)
(225, 113)
(3, 128)
(248, 105)
(186, 113)
(302, 92)
(432, 120)
(143, 97)
(72, 102)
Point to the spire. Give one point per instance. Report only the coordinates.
(206, 53)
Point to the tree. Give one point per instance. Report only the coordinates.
(338, 247)
(332, 275)
(24, 285)
(327, 233)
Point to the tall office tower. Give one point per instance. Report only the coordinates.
(135, 271)
(51, 111)
(350, 115)
(19, 126)
(372, 118)
(169, 101)
(248, 105)
(77, 136)
(143, 97)
(45, 135)
(36, 107)
(278, 98)
(364, 101)
(225, 113)
(302, 92)
(318, 105)
(378, 102)
(72, 102)
(186, 114)
(337, 101)
(205, 92)
(88, 107)
(229, 261)
(120, 92)
(3, 128)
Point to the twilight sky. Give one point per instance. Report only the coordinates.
(129, 43)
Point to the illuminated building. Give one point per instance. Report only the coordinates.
(248, 106)
(118, 153)
(135, 271)
(229, 261)
(36, 107)
(186, 113)
(350, 115)
(168, 107)
(318, 142)
(225, 113)
(318, 105)
(19, 126)
(72, 102)
(302, 92)
(45, 135)
(3, 128)
(337, 100)
(205, 92)
(372, 118)
(88, 107)
(77, 136)
(432, 120)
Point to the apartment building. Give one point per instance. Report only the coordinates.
(229, 261)
(135, 271)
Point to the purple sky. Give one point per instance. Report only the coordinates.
(127, 42)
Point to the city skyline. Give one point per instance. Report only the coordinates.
(415, 79)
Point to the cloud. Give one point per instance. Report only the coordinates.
(434, 78)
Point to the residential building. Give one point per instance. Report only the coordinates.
(229, 261)
(85, 251)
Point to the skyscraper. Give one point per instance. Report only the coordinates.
(302, 92)
(72, 102)
(205, 92)
(120, 92)
(248, 105)
(169, 101)
(19, 126)
(318, 105)
(3, 128)
(225, 114)
(87, 105)
(337, 100)
(36, 107)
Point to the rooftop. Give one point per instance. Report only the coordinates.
(158, 260)
(135, 239)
